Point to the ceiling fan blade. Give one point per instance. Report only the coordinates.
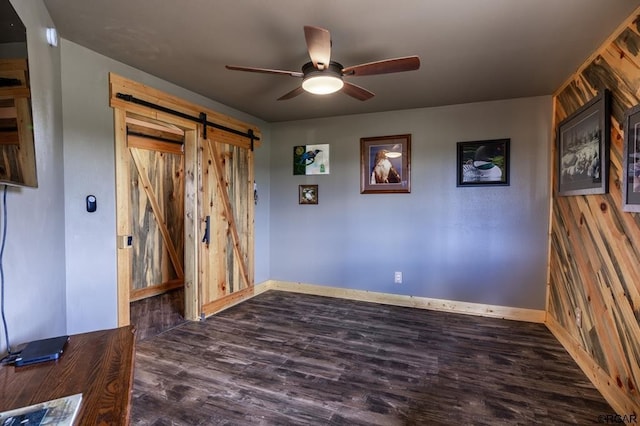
(264, 70)
(292, 94)
(407, 63)
(319, 46)
(357, 92)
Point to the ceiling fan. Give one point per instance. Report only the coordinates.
(322, 76)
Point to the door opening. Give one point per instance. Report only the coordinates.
(156, 200)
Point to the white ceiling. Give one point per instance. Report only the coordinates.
(471, 50)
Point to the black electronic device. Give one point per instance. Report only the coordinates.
(42, 351)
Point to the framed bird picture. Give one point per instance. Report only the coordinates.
(483, 163)
(311, 159)
(385, 164)
(307, 194)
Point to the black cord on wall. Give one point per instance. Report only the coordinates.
(3, 239)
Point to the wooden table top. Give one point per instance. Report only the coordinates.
(98, 364)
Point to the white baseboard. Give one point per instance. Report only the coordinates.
(494, 311)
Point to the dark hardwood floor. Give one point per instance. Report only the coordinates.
(157, 314)
(292, 359)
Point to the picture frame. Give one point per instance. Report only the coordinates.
(582, 145)
(631, 161)
(311, 159)
(483, 163)
(385, 164)
(307, 194)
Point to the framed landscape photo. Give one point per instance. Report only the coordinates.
(483, 163)
(583, 149)
(307, 194)
(631, 161)
(385, 164)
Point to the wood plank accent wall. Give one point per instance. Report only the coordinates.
(594, 267)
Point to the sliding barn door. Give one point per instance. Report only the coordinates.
(184, 201)
(156, 199)
(226, 256)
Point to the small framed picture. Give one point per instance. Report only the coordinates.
(631, 160)
(385, 164)
(583, 149)
(307, 194)
(483, 163)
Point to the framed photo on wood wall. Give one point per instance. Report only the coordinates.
(385, 164)
(483, 163)
(631, 161)
(583, 149)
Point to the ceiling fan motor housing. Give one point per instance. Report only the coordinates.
(334, 69)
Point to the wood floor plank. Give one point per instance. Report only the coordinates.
(293, 359)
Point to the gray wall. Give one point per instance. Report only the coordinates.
(34, 252)
(90, 169)
(483, 244)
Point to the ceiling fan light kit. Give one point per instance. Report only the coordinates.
(322, 82)
(321, 79)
